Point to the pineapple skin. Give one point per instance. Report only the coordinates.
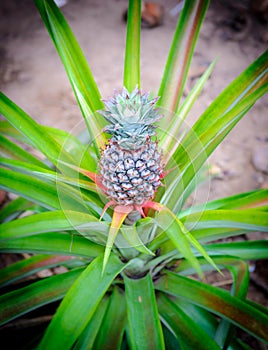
(131, 176)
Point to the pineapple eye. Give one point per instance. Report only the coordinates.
(155, 168)
(122, 195)
(114, 157)
(126, 186)
(129, 163)
(136, 181)
(127, 202)
(132, 173)
(111, 167)
(132, 193)
(117, 188)
(111, 193)
(145, 173)
(152, 177)
(113, 178)
(104, 163)
(106, 176)
(140, 165)
(145, 156)
(122, 177)
(151, 163)
(148, 187)
(119, 166)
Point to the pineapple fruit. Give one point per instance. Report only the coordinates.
(131, 166)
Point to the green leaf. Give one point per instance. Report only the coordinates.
(171, 342)
(30, 188)
(29, 266)
(132, 53)
(8, 129)
(185, 328)
(168, 140)
(52, 222)
(32, 130)
(211, 234)
(237, 267)
(78, 150)
(239, 222)
(173, 230)
(10, 150)
(26, 166)
(217, 301)
(53, 243)
(202, 317)
(113, 325)
(85, 294)
(245, 200)
(254, 77)
(88, 336)
(14, 208)
(47, 176)
(131, 236)
(46, 192)
(73, 192)
(247, 219)
(21, 301)
(145, 330)
(247, 250)
(257, 306)
(182, 238)
(74, 61)
(180, 54)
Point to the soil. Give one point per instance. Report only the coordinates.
(32, 75)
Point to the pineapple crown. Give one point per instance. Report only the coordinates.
(131, 116)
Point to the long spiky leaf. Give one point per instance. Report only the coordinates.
(169, 140)
(132, 51)
(65, 329)
(145, 331)
(180, 54)
(31, 130)
(119, 215)
(74, 61)
(182, 239)
(217, 301)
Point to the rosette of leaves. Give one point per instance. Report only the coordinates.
(137, 285)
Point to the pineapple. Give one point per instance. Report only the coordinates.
(131, 166)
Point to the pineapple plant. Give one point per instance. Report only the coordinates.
(112, 210)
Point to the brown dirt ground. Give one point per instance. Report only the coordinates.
(32, 75)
